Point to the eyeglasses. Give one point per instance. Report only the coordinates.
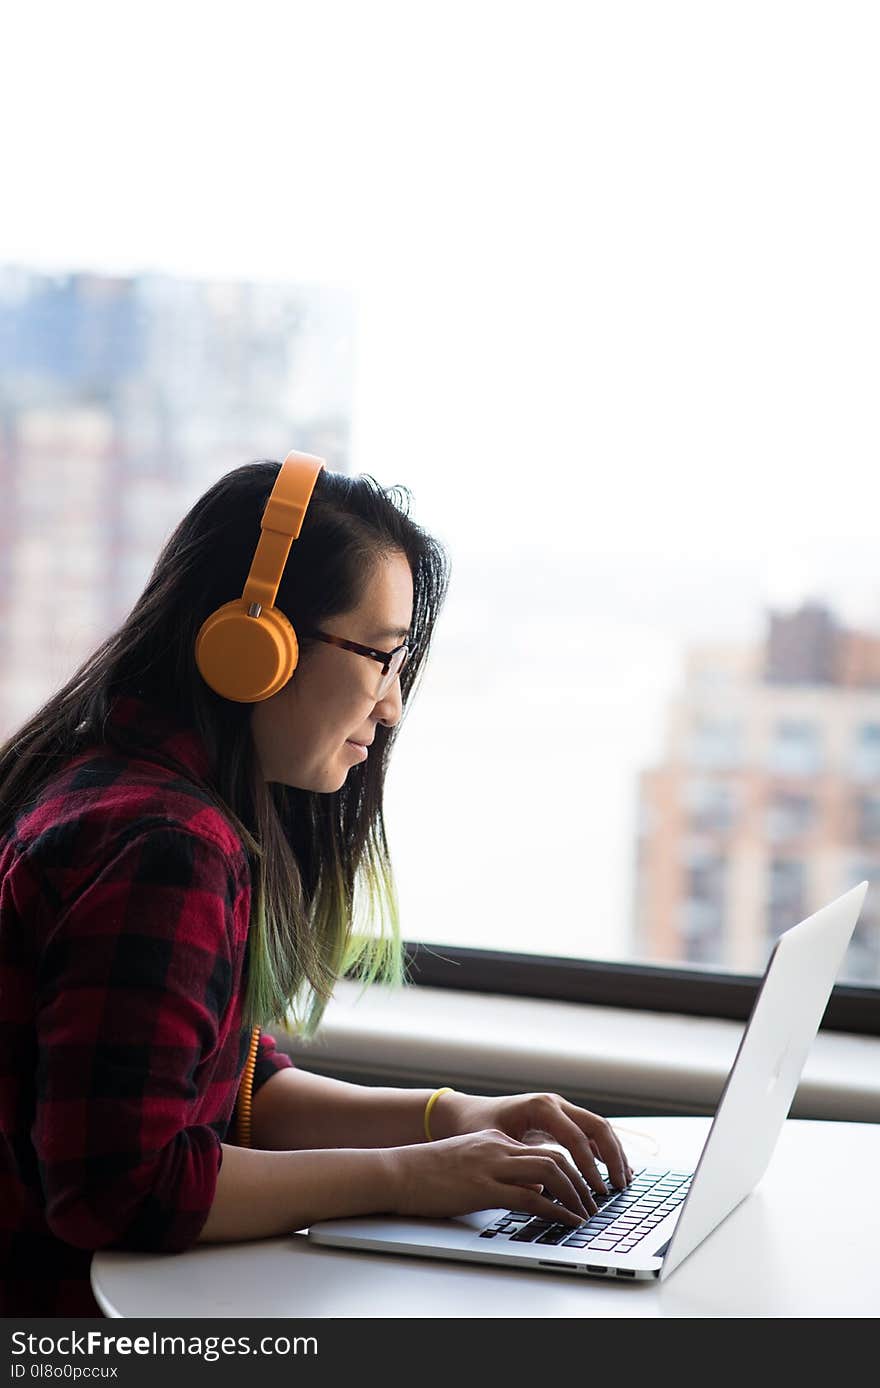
(392, 661)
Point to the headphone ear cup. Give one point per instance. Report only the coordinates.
(246, 659)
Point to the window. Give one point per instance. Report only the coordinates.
(786, 896)
(703, 908)
(622, 465)
(795, 749)
(789, 816)
(716, 745)
(868, 811)
(712, 805)
(866, 755)
(863, 956)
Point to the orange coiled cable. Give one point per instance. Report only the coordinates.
(245, 1093)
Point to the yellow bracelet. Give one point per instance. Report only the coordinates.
(430, 1104)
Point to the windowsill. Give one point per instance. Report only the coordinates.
(616, 1059)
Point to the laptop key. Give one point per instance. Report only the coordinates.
(555, 1235)
(529, 1233)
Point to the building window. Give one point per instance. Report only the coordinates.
(715, 745)
(703, 908)
(711, 805)
(868, 817)
(866, 757)
(861, 963)
(795, 749)
(789, 816)
(786, 899)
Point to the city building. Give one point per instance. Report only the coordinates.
(766, 803)
(122, 399)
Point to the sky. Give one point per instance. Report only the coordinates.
(614, 265)
(629, 249)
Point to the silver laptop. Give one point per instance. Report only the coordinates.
(645, 1230)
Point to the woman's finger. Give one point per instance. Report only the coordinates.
(575, 1140)
(564, 1162)
(629, 1167)
(596, 1153)
(527, 1199)
(566, 1184)
(597, 1129)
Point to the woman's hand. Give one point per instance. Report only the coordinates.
(585, 1135)
(485, 1170)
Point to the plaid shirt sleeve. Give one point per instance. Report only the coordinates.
(269, 1061)
(134, 980)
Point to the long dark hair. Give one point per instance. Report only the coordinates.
(316, 859)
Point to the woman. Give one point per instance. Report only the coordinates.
(180, 867)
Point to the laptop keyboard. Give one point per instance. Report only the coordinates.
(623, 1219)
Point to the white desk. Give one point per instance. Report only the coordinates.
(785, 1251)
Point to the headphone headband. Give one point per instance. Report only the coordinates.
(280, 526)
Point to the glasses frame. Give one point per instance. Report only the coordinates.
(384, 657)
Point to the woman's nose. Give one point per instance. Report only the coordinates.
(391, 704)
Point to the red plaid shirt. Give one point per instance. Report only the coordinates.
(124, 907)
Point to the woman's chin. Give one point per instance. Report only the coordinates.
(337, 780)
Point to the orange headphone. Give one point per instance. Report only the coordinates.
(247, 649)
